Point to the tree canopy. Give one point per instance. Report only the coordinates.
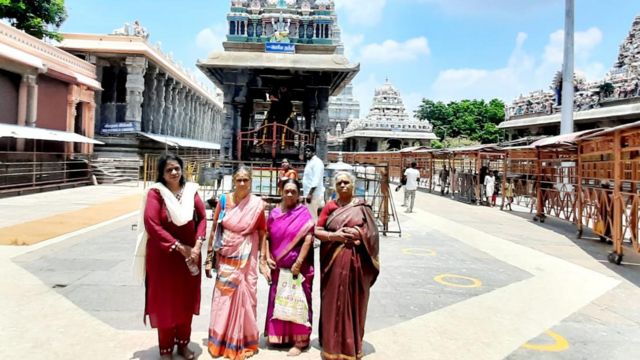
(475, 120)
(35, 17)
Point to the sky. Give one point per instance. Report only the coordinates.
(443, 50)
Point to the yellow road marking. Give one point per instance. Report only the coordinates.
(560, 343)
(35, 231)
(441, 279)
(419, 252)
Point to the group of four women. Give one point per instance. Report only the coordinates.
(175, 222)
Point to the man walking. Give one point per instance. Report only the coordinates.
(412, 174)
(313, 181)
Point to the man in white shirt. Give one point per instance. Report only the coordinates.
(412, 175)
(313, 181)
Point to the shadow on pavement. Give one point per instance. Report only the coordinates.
(153, 353)
(591, 244)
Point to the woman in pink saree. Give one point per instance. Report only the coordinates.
(233, 329)
(290, 228)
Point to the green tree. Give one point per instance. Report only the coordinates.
(474, 120)
(35, 17)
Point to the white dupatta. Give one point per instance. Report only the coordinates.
(180, 213)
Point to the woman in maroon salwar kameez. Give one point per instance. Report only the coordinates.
(175, 223)
(349, 262)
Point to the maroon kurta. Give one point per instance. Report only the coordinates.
(172, 293)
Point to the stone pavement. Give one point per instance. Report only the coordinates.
(463, 282)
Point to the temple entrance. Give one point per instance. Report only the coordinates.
(394, 144)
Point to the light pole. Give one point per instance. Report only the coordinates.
(566, 125)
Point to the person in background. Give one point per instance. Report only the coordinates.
(509, 190)
(489, 187)
(286, 171)
(175, 225)
(412, 174)
(313, 181)
(444, 180)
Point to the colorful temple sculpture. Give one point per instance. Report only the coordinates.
(279, 67)
(148, 102)
(387, 126)
(612, 101)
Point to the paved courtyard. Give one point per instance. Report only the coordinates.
(462, 282)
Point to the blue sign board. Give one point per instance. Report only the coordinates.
(117, 128)
(281, 48)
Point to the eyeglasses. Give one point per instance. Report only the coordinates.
(343, 182)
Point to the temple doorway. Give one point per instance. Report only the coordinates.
(394, 144)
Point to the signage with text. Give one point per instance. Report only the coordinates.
(281, 48)
(124, 127)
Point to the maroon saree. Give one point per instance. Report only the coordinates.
(348, 272)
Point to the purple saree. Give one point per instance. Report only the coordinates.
(287, 232)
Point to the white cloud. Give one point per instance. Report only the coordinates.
(351, 43)
(362, 12)
(393, 51)
(211, 38)
(523, 72)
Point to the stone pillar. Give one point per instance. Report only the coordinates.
(89, 113)
(175, 110)
(168, 105)
(226, 140)
(150, 99)
(32, 99)
(322, 123)
(182, 95)
(158, 119)
(188, 112)
(71, 117)
(136, 67)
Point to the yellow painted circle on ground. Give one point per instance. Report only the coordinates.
(419, 252)
(559, 344)
(441, 279)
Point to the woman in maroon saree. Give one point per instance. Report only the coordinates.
(290, 228)
(349, 262)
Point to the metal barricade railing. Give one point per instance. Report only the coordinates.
(36, 170)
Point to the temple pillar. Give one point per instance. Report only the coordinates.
(227, 133)
(72, 101)
(32, 100)
(168, 106)
(182, 113)
(158, 120)
(322, 123)
(175, 110)
(192, 110)
(150, 103)
(136, 68)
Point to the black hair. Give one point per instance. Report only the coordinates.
(414, 164)
(162, 163)
(310, 147)
(284, 181)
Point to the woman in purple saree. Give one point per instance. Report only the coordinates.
(290, 228)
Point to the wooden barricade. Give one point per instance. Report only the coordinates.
(521, 169)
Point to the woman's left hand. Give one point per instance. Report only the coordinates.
(194, 255)
(295, 268)
(266, 272)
